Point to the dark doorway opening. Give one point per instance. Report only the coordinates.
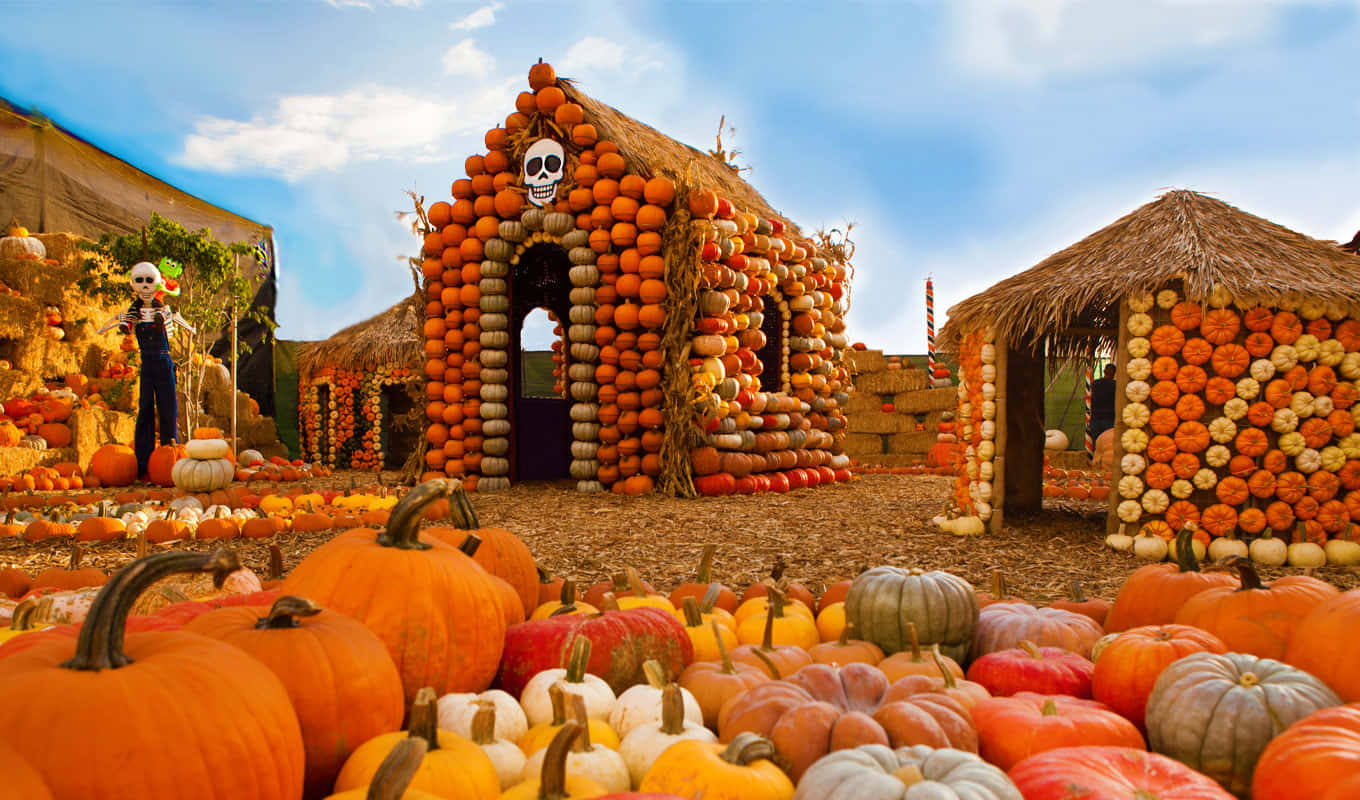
(400, 433)
(540, 431)
(772, 354)
(323, 419)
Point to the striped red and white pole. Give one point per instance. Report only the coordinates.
(1090, 441)
(930, 326)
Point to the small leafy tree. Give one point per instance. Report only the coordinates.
(213, 294)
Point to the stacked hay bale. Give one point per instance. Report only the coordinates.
(895, 410)
(253, 430)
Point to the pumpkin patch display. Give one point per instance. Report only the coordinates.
(205, 466)
(753, 357)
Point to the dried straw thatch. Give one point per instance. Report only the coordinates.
(386, 339)
(1181, 236)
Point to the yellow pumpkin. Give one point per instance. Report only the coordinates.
(553, 781)
(741, 770)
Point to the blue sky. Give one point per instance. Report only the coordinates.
(967, 139)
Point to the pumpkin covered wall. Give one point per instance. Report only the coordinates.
(666, 271)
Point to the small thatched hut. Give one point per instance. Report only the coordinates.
(1237, 347)
(704, 332)
(359, 400)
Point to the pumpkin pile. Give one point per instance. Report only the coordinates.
(349, 428)
(459, 674)
(752, 356)
(1076, 484)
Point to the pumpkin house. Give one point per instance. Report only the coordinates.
(703, 331)
(1237, 350)
(360, 403)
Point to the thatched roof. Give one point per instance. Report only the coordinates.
(1180, 236)
(389, 338)
(648, 151)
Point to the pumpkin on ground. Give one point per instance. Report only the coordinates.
(1153, 594)
(744, 769)
(233, 728)
(822, 708)
(713, 683)
(1011, 729)
(501, 552)
(875, 772)
(1325, 644)
(1045, 670)
(343, 684)
(162, 462)
(1002, 626)
(1216, 713)
(114, 465)
(394, 775)
(1128, 667)
(1072, 773)
(205, 466)
(434, 607)
(1094, 607)
(1317, 757)
(1256, 618)
(944, 608)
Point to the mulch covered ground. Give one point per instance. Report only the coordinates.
(822, 534)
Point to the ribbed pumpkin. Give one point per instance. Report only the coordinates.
(875, 772)
(501, 552)
(1216, 713)
(114, 465)
(343, 684)
(1011, 729)
(943, 607)
(1153, 594)
(1002, 626)
(1317, 757)
(22, 781)
(161, 714)
(1110, 772)
(1324, 644)
(1129, 665)
(434, 607)
(741, 770)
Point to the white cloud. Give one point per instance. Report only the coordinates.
(365, 4)
(304, 134)
(1030, 40)
(466, 58)
(600, 56)
(481, 18)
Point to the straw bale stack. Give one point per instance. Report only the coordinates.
(904, 434)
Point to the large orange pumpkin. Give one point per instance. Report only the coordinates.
(501, 552)
(1325, 645)
(1154, 594)
(159, 714)
(434, 607)
(1129, 665)
(162, 460)
(1315, 757)
(114, 465)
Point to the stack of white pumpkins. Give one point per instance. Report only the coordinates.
(980, 457)
(205, 466)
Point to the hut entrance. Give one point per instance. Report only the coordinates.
(772, 354)
(323, 428)
(540, 430)
(401, 433)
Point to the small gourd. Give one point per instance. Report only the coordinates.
(598, 696)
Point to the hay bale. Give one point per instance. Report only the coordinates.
(1069, 459)
(18, 383)
(14, 460)
(926, 400)
(879, 422)
(916, 443)
(863, 403)
(861, 361)
(92, 428)
(257, 433)
(892, 460)
(892, 381)
(857, 444)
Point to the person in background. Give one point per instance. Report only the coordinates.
(1102, 403)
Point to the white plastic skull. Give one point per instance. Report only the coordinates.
(545, 165)
(146, 280)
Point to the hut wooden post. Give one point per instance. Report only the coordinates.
(999, 458)
(1024, 451)
(1121, 382)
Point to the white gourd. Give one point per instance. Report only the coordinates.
(458, 710)
(598, 696)
(596, 762)
(506, 757)
(642, 745)
(641, 705)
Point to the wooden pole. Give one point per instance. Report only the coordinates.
(1002, 348)
(234, 443)
(1121, 382)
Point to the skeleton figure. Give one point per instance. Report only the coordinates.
(545, 165)
(151, 320)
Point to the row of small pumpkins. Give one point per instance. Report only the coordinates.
(1193, 659)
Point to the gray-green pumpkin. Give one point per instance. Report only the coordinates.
(1216, 713)
(875, 772)
(943, 607)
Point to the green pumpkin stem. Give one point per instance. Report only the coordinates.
(690, 606)
(1050, 708)
(461, 511)
(1246, 571)
(552, 781)
(770, 666)
(705, 573)
(403, 523)
(425, 718)
(100, 645)
(728, 667)
(395, 772)
(285, 613)
(655, 674)
(577, 660)
(1031, 649)
(1185, 551)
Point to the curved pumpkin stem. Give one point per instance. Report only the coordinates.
(1185, 550)
(1246, 571)
(425, 718)
(1075, 591)
(484, 723)
(461, 511)
(710, 598)
(1031, 649)
(705, 573)
(285, 613)
(747, 747)
(23, 615)
(403, 524)
(396, 770)
(100, 645)
(553, 779)
(946, 674)
(577, 660)
(690, 607)
(915, 642)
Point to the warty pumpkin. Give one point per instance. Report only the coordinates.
(1109, 772)
(435, 608)
(1216, 713)
(343, 684)
(234, 727)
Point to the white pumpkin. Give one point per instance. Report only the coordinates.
(1223, 547)
(1284, 357)
(1137, 391)
(1268, 550)
(1305, 554)
(597, 762)
(1132, 464)
(1292, 443)
(1149, 546)
(1331, 352)
(1262, 369)
(206, 449)
(1155, 501)
(1167, 298)
(505, 755)
(1140, 325)
(250, 458)
(1120, 541)
(1181, 489)
(19, 244)
(1248, 388)
(1342, 553)
(1136, 415)
(1235, 408)
(1134, 440)
(1129, 511)
(642, 745)
(641, 705)
(1055, 439)
(598, 696)
(193, 475)
(1140, 301)
(1131, 487)
(1307, 347)
(1139, 346)
(459, 710)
